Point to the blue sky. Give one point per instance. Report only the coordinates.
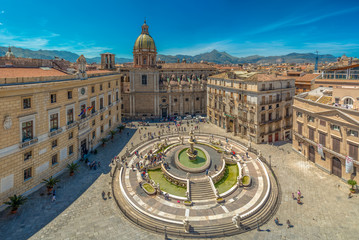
(241, 28)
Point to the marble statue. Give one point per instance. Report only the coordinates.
(186, 225)
(236, 220)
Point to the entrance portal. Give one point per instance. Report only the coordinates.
(311, 153)
(83, 147)
(336, 167)
(164, 112)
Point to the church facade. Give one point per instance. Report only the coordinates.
(154, 89)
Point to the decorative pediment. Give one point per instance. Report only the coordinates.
(340, 114)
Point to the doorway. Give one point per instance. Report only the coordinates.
(311, 156)
(336, 167)
(164, 112)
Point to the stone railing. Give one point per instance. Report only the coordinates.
(55, 132)
(28, 143)
(71, 125)
(219, 175)
(172, 178)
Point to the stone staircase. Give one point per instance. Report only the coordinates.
(198, 229)
(201, 190)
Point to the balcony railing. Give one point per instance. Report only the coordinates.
(71, 125)
(28, 142)
(55, 132)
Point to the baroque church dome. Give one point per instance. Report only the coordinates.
(145, 41)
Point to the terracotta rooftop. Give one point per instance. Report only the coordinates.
(29, 72)
(343, 68)
(251, 76)
(307, 77)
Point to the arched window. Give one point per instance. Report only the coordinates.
(144, 61)
(348, 101)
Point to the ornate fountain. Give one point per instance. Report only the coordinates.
(191, 152)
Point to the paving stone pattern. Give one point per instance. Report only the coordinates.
(80, 212)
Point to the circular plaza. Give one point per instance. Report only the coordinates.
(194, 185)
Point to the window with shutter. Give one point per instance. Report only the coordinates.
(300, 128)
(322, 139)
(311, 134)
(336, 145)
(353, 151)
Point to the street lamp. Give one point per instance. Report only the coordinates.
(257, 224)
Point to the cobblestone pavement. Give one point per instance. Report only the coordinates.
(80, 212)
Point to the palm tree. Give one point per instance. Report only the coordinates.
(120, 128)
(112, 132)
(73, 167)
(103, 140)
(15, 202)
(50, 183)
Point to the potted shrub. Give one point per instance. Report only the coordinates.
(95, 151)
(352, 183)
(103, 140)
(15, 202)
(148, 188)
(246, 181)
(187, 203)
(220, 200)
(50, 183)
(73, 167)
(112, 132)
(120, 128)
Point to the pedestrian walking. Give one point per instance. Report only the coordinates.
(99, 164)
(103, 194)
(276, 220)
(53, 196)
(207, 172)
(293, 196)
(299, 194)
(298, 201)
(109, 195)
(288, 223)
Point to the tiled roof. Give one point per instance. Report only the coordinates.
(29, 72)
(307, 77)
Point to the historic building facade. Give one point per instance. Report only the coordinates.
(155, 89)
(326, 129)
(252, 105)
(44, 122)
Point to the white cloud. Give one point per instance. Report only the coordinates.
(2, 12)
(300, 20)
(89, 49)
(1, 24)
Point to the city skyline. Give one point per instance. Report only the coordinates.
(240, 29)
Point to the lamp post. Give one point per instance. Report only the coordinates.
(270, 161)
(257, 224)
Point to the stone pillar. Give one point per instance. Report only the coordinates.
(181, 104)
(130, 104)
(169, 105)
(134, 105)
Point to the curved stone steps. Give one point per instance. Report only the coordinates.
(226, 228)
(201, 190)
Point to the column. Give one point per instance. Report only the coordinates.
(181, 104)
(169, 105)
(130, 104)
(154, 105)
(192, 104)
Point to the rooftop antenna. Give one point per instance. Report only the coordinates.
(316, 62)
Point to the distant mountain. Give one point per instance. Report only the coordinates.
(225, 58)
(50, 54)
(213, 56)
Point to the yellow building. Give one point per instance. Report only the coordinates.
(252, 105)
(326, 129)
(41, 128)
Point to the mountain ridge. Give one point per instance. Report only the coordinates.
(214, 56)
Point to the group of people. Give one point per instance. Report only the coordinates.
(276, 220)
(297, 198)
(93, 165)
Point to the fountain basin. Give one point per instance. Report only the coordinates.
(199, 164)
